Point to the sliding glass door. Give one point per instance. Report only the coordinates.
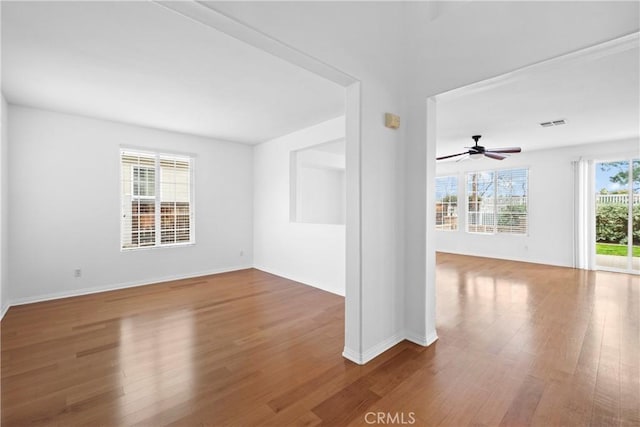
(617, 210)
(635, 216)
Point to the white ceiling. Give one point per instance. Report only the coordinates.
(598, 96)
(139, 63)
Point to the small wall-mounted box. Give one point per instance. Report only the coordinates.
(391, 121)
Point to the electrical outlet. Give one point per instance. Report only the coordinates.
(77, 272)
(241, 252)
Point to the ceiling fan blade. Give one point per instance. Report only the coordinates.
(506, 150)
(494, 156)
(452, 155)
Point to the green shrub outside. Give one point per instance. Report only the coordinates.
(612, 225)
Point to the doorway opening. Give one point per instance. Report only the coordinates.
(496, 108)
(207, 14)
(617, 215)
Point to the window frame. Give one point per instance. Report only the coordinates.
(495, 173)
(157, 198)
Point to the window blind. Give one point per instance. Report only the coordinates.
(175, 200)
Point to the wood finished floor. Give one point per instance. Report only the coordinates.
(520, 344)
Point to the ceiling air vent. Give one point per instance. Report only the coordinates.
(553, 123)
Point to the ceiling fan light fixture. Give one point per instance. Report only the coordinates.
(478, 151)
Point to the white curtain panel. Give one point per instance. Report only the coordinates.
(583, 214)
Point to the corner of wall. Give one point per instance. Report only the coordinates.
(3, 310)
(365, 356)
(4, 235)
(424, 341)
(281, 246)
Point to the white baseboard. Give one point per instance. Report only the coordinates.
(424, 341)
(98, 289)
(378, 349)
(296, 279)
(373, 352)
(381, 347)
(352, 355)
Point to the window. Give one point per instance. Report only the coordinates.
(447, 203)
(497, 201)
(155, 212)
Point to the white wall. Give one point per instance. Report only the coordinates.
(4, 210)
(318, 186)
(320, 195)
(467, 44)
(309, 253)
(551, 195)
(64, 192)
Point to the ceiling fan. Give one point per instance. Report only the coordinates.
(478, 151)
